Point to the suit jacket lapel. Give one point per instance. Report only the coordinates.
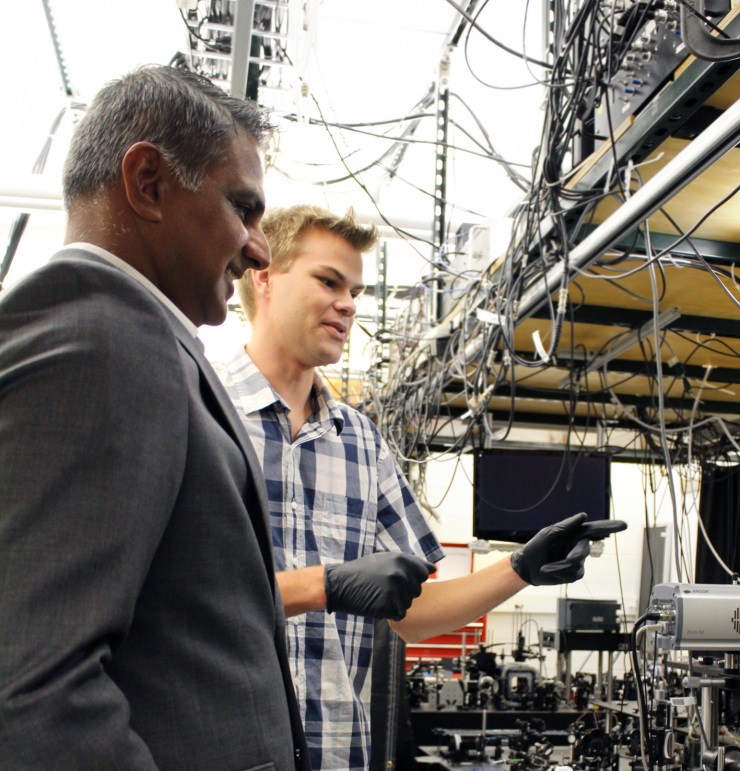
(227, 416)
(232, 423)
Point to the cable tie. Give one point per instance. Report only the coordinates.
(537, 340)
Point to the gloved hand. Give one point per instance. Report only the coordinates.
(381, 585)
(557, 553)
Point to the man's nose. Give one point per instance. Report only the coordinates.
(257, 250)
(347, 304)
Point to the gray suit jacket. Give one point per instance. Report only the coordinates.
(140, 623)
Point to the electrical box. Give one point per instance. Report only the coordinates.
(650, 62)
(587, 615)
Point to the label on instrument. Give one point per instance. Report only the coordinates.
(488, 317)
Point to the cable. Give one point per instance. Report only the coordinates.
(470, 66)
(406, 235)
(647, 760)
(661, 405)
(704, 19)
(488, 36)
(439, 396)
(711, 547)
(403, 233)
(406, 141)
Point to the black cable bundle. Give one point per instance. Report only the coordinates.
(641, 697)
(589, 43)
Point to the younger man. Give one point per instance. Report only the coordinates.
(344, 519)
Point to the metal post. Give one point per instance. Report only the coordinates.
(464, 653)
(439, 226)
(609, 690)
(344, 392)
(600, 676)
(485, 720)
(63, 71)
(381, 286)
(560, 664)
(19, 224)
(399, 148)
(241, 46)
(440, 172)
(381, 315)
(710, 716)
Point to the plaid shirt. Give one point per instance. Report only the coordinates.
(335, 494)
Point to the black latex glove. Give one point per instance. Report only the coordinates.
(557, 553)
(381, 585)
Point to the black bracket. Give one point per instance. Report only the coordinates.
(699, 41)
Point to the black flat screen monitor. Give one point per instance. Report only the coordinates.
(517, 493)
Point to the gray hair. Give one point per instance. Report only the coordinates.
(186, 116)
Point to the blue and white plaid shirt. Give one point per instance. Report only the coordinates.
(335, 494)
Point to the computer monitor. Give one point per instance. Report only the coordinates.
(517, 493)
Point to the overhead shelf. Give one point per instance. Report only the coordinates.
(687, 206)
(708, 332)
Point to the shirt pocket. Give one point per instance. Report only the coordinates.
(344, 527)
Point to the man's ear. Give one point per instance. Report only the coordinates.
(145, 176)
(261, 282)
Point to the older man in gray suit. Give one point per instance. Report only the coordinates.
(140, 624)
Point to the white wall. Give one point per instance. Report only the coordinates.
(603, 574)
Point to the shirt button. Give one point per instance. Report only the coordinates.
(293, 505)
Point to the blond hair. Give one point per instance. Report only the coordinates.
(285, 230)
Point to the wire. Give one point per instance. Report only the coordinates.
(19, 224)
(407, 141)
(704, 19)
(641, 699)
(661, 405)
(400, 231)
(442, 396)
(711, 547)
(427, 193)
(212, 45)
(488, 36)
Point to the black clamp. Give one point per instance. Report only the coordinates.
(699, 41)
